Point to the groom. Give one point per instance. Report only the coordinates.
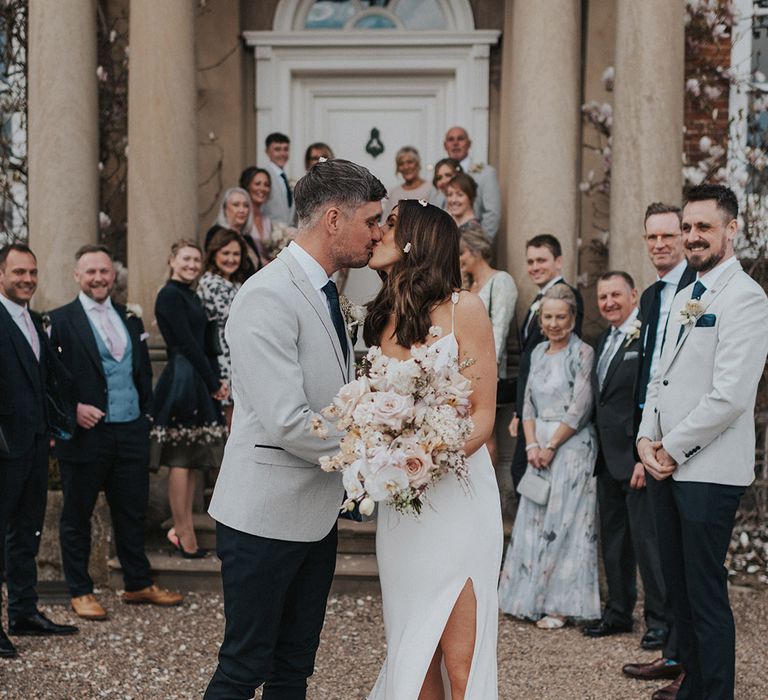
(698, 428)
(276, 510)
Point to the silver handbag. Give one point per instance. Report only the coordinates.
(534, 487)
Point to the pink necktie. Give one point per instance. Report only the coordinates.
(115, 342)
(34, 341)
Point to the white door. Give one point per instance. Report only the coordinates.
(344, 110)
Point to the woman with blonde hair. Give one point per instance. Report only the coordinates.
(414, 186)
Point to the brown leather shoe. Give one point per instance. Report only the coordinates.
(657, 669)
(669, 692)
(153, 595)
(87, 607)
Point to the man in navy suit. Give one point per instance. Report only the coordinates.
(664, 240)
(105, 349)
(24, 360)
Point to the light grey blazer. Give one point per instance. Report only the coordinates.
(701, 402)
(287, 364)
(488, 200)
(276, 207)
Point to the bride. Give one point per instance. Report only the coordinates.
(439, 570)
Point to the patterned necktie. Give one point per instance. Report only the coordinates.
(698, 291)
(113, 339)
(650, 339)
(332, 294)
(34, 341)
(287, 189)
(607, 356)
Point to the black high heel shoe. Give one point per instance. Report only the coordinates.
(175, 540)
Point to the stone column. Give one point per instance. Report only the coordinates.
(162, 140)
(63, 141)
(540, 128)
(647, 126)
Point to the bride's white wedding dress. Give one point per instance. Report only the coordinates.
(425, 562)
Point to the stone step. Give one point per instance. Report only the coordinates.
(357, 538)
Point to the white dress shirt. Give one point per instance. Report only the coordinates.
(17, 314)
(671, 280)
(624, 328)
(94, 315)
(313, 269)
(709, 279)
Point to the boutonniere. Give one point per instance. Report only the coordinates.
(690, 313)
(353, 314)
(633, 333)
(477, 168)
(133, 311)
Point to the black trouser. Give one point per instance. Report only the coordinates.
(120, 468)
(23, 495)
(520, 458)
(695, 521)
(670, 650)
(275, 593)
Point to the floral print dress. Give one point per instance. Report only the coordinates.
(551, 562)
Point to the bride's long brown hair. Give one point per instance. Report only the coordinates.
(423, 278)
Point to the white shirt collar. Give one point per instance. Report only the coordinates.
(626, 327)
(313, 269)
(89, 304)
(12, 307)
(466, 164)
(709, 279)
(675, 274)
(274, 167)
(550, 284)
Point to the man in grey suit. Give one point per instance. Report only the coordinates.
(275, 509)
(698, 428)
(280, 206)
(488, 201)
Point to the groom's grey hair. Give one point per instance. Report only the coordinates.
(339, 183)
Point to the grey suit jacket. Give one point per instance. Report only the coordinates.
(287, 364)
(276, 207)
(701, 401)
(488, 200)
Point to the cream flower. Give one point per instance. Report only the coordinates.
(391, 409)
(690, 313)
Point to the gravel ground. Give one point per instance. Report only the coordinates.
(148, 653)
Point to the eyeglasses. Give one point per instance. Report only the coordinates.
(660, 237)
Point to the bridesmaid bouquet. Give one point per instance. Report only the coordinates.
(405, 425)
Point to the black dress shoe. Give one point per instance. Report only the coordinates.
(604, 629)
(38, 625)
(7, 650)
(654, 638)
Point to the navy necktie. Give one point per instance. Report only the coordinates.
(332, 294)
(698, 291)
(530, 317)
(287, 189)
(650, 338)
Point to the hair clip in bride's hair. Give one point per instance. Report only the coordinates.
(407, 248)
(423, 202)
(322, 159)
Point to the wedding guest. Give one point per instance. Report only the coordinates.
(188, 429)
(316, 151)
(236, 213)
(225, 271)
(24, 355)
(698, 428)
(414, 186)
(498, 292)
(460, 194)
(488, 202)
(544, 258)
(105, 349)
(280, 206)
(627, 531)
(257, 182)
(664, 241)
(550, 572)
(443, 173)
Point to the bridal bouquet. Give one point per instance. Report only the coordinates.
(406, 422)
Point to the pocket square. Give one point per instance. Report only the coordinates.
(631, 355)
(706, 321)
(143, 336)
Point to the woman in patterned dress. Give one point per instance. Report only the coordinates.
(225, 271)
(550, 571)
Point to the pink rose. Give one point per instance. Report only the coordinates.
(415, 462)
(391, 410)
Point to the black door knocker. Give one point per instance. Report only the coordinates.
(374, 146)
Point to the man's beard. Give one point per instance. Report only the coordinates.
(705, 264)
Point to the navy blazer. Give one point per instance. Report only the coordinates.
(72, 336)
(23, 407)
(615, 408)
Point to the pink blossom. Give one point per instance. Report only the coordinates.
(705, 143)
(692, 86)
(417, 464)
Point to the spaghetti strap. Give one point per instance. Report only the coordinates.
(454, 301)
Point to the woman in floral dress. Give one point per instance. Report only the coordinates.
(550, 570)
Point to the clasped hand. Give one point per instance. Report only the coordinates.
(656, 460)
(540, 457)
(222, 392)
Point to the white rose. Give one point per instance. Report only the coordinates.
(391, 409)
(350, 395)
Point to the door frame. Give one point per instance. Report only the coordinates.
(280, 56)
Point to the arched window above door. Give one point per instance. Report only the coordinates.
(356, 15)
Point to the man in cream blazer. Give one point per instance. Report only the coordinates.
(275, 509)
(698, 428)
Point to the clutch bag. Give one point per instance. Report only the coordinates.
(534, 487)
